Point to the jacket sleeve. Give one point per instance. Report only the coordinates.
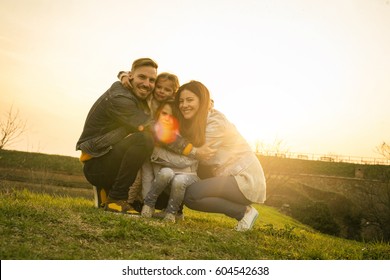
(167, 158)
(180, 146)
(125, 109)
(216, 129)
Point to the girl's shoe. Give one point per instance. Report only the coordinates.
(170, 218)
(147, 211)
(162, 213)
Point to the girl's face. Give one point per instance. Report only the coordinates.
(189, 104)
(165, 116)
(163, 90)
(167, 126)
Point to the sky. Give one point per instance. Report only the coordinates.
(312, 75)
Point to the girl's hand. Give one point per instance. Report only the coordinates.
(125, 80)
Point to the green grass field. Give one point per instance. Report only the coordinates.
(45, 227)
(47, 213)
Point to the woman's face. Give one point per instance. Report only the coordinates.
(189, 104)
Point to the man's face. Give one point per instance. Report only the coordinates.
(143, 80)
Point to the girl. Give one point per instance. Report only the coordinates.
(237, 177)
(170, 170)
(166, 86)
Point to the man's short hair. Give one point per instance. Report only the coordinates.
(143, 62)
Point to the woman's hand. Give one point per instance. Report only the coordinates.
(205, 152)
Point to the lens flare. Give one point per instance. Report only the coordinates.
(167, 131)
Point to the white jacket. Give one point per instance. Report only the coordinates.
(234, 157)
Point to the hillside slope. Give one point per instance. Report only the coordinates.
(41, 226)
(325, 195)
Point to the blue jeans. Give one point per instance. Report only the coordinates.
(217, 195)
(178, 184)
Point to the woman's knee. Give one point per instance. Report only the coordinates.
(191, 195)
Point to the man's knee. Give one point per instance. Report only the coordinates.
(149, 141)
(145, 139)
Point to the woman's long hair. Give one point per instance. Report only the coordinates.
(194, 130)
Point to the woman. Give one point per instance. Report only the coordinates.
(238, 178)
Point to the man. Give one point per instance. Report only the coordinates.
(116, 139)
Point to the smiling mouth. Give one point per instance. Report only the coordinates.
(143, 90)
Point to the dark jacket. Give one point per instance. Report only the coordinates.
(117, 113)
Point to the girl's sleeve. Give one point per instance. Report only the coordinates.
(180, 146)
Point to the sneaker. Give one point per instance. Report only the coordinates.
(162, 213)
(179, 217)
(121, 206)
(137, 205)
(170, 218)
(247, 222)
(100, 197)
(147, 211)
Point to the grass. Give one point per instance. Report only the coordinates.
(341, 169)
(46, 212)
(40, 162)
(40, 226)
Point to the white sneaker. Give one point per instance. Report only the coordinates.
(247, 222)
(162, 213)
(147, 211)
(179, 217)
(170, 218)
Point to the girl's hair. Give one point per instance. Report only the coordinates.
(171, 77)
(169, 101)
(195, 129)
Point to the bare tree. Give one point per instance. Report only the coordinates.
(374, 200)
(384, 150)
(11, 128)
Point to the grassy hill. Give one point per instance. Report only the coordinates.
(47, 213)
(343, 199)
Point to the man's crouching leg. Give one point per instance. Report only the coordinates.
(131, 152)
